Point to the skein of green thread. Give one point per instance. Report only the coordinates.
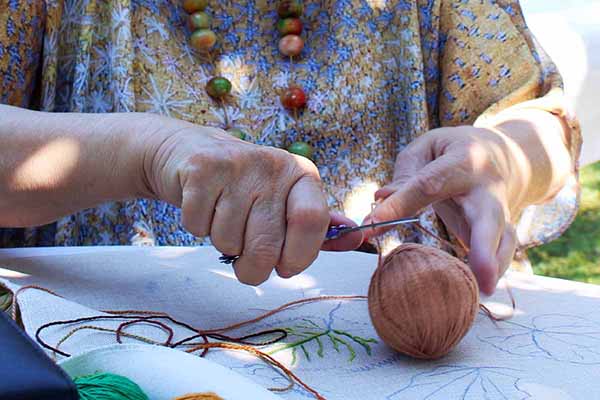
(105, 386)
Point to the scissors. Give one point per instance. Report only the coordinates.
(337, 231)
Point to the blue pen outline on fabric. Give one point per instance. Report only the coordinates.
(577, 339)
(466, 379)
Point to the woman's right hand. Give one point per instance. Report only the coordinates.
(260, 203)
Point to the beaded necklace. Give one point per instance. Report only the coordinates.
(290, 45)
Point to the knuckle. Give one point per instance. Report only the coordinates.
(305, 165)
(428, 185)
(308, 217)
(271, 161)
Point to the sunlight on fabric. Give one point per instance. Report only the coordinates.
(303, 281)
(230, 275)
(172, 252)
(48, 165)
(7, 273)
(377, 4)
(286, 357)
(502, 309)
(358, 203)
(236, 71)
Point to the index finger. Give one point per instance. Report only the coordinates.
(437, 181)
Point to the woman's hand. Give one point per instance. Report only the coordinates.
(478, 181)
(260, 203)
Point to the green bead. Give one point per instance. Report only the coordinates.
(237, 132)
(199, 20)
(302, 149)
(218, 87)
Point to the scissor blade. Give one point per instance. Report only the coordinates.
(383, 224)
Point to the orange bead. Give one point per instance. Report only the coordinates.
(191, 6)
(294, 98)
(291, 45)
(203, 39)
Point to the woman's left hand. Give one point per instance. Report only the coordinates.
(475, 179)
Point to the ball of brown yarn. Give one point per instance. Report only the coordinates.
(422, 301)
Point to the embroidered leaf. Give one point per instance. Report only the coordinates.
(320, 350)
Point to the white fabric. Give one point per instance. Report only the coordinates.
(151, 367)
(549, 350)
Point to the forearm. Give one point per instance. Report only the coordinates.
(52, 165)
(538, 142)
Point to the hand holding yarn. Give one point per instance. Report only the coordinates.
(476, 183)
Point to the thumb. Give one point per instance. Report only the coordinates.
(435, 182)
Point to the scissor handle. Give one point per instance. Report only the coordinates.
(335, 231)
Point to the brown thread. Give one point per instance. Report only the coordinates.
(147, 317)
(14, 304)
(263, 356)
(166, 328)
(199, 396)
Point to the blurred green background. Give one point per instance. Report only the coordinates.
(576, 255)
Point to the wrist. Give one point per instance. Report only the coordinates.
(518, 174)
(165, 146)
(538, 138)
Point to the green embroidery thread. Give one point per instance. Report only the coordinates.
(308, 332)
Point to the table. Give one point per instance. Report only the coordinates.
(550, 349)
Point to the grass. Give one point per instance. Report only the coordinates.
(576, 255)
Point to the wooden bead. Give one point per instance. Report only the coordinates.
(294, 98)
(290, 8)
(237, 132)
(203, 39)
(218, 87)
(291, 45)
(289, 26)
(191, 6)
(199, 20)
(422, 301)
(302, 149)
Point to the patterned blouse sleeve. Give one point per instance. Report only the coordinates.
(492, 64)
(21, 38)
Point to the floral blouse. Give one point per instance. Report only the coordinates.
(378, 73)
